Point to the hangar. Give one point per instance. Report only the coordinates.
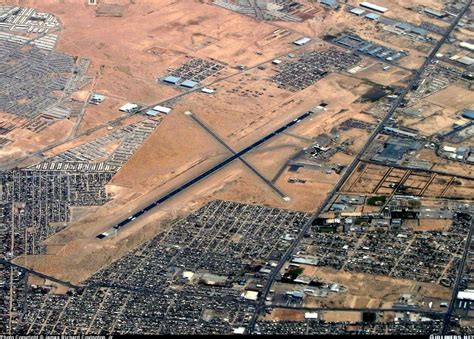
(373, 7)
(129, 108)
(172, 80)
(302, 41)
(189, 84)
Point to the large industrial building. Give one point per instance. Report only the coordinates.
(373, 7)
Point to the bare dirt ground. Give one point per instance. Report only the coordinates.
(282, 314)
(445, 165)
(245, 107)
(430, 118)
(81, 254)
(367, 177)
(106, 129)
(126, 70)
(340, 316)
(335, 22)
(100, 114)
(310, 194)
(433, 225)
(371, 291)
(376, 73)
(400, 10)
(454, 97)
(25, 141)
(462, 188)
(434, 4)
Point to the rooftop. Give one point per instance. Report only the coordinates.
(172, 79)
(330, 3)
(189, 83)
(468, 113)
(372, 16)
(373, 6)
(357, 11)
(152, 113)
(97, 97)
(435, 12)
(162, 109)
(128, 107)
(302, 41)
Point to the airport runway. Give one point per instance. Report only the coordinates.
(10, 164)
(245, 162)
(207, 173)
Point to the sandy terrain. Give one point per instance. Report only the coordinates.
(26, 141)
(127, 71)
(282, 314)
(82, 254)
(365, 290)
(245, 107)
(86, 136)
(453, 96)
(335, 22)
(377, 74)
(100, 114)
(400, 10)
(433, 225)
(339, 316)
(430, 119)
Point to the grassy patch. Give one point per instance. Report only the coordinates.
(376, 201)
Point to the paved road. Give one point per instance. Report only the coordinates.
(462, 264)
(17, 161)
(348, 172)
(258, 11)
(413, 168)
(41, 275)
(245, 162)
(457, 130)
(209, 172)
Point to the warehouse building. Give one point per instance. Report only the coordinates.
(330, 3)
(172, 80)
(189, 84)
(302, 41)
(96, 99)
(465, 60)
(357, 11)
(162, 109)
(373, 7)
(400, 132)
(466, 295)
(468, 113)
(151, 113)
(372, 16)
(435, 13)
(208, 90)
(129, 108)
(467, 45)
